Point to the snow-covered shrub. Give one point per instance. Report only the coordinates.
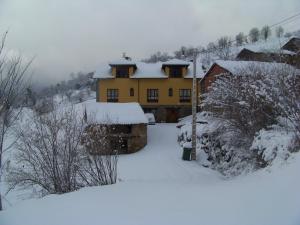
(44, 105)
(248, 106)
(218, 147)
(241, 101)
(285, 95)
(270, 144)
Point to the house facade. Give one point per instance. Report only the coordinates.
(164, 89)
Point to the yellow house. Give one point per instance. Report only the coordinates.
(163, 88)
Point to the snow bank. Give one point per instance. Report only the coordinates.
(157, 187)
(273, 143)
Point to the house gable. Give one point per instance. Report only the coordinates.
(210, 76)
(292, 45)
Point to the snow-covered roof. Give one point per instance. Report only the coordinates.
(272, 45)
(293, 38)
(113, 113)
(149, 70)
(176, 62)
(237, 66)
(122, 62)
(278, 51)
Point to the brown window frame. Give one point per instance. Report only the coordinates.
(185, 95)
(170, 92)
(112, 95)
(152, 95)
(122, 71)
(175, 71)
(131, 92)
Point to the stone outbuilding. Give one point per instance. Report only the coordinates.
(120, 127)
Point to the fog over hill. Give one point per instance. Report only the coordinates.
(70, 36)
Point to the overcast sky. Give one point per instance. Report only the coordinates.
(80, 35)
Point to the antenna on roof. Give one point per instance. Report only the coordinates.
(126, 57)
(182, 53)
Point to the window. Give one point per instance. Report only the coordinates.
(122, 72)
(131, 92)
(175, 71)
(170, 92)
(202, 86)
(152, 95)
(184, 95)
(112, 95)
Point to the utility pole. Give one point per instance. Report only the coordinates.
(194, 109)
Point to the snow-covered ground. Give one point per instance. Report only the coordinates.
(157, 187)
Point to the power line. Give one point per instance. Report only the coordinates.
(284, 20)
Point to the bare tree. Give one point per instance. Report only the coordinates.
(12, 87)
(254, 34)
(240, 39)
(49, 152)
(223, 48)
(52, 154)
(279, 31)
(265, 32)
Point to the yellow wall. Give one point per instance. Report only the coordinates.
(140, 89)
(123, 84)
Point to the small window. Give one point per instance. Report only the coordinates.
(202, 86)
(131, 92)
(185, 95)
(175, 72)
(152, 95)
(170, 92)
(112, 95)
(122, 72)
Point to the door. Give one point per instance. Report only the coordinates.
(172, 115)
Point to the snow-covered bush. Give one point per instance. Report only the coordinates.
(248, 108)
(241, 100)
(273, 143)
(218, 147)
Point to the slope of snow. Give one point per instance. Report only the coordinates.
(157, 187)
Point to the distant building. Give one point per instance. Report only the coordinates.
(223, 67)
(282, 56)
(292, 45)
(164, 88)
(121, 126)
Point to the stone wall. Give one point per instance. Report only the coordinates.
(114, 138)
(138, 138)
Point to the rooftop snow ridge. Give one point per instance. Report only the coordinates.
(113, 113)
(148, 70)
(236, 66)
